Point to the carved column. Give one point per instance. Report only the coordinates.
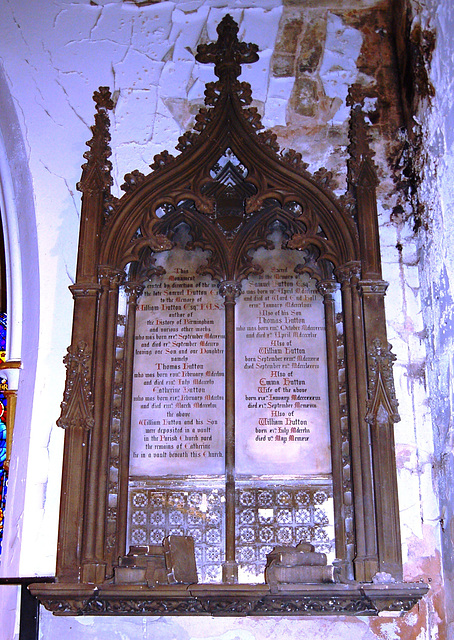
(133, 291)
(77, 418)
(365, 561)
(328, 288)
(94, 556)
(382, 406)
(382, 415)
(230, 291)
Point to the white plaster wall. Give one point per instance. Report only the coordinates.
(436, 123)
(55, 54)
(181, 628)
(19, 224)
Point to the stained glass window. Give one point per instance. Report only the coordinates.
(3, 409)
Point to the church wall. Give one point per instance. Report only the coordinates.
(55, 54)
(433, 166)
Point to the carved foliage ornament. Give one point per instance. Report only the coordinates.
(382, 403)
(366, 601)
(227, 53)
(77, 405)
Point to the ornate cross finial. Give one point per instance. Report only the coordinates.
(227, 54)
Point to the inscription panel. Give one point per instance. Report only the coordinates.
(282, 417)
(177, 423)
(282, 413)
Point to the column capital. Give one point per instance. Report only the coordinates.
(327, 288)
(84, 289)
(348, 272)
(110, 276)
(379, 287)
(230, 289)
(133, 290)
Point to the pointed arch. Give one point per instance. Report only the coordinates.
(21, 252)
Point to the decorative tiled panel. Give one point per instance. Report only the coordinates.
(196, 512)
(268, 517)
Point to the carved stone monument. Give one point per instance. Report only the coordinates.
(228, 374)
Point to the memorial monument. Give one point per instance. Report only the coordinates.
(229, 379)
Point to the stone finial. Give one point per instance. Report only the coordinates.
(96, 171)
(361, 167)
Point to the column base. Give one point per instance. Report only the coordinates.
(365, 568)
(93, 573)
(230, 573)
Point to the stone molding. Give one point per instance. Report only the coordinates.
(356, 599)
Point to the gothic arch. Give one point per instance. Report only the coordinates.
(229, 124)
(21, 252)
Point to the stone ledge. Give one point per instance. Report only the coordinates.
(356, 599)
